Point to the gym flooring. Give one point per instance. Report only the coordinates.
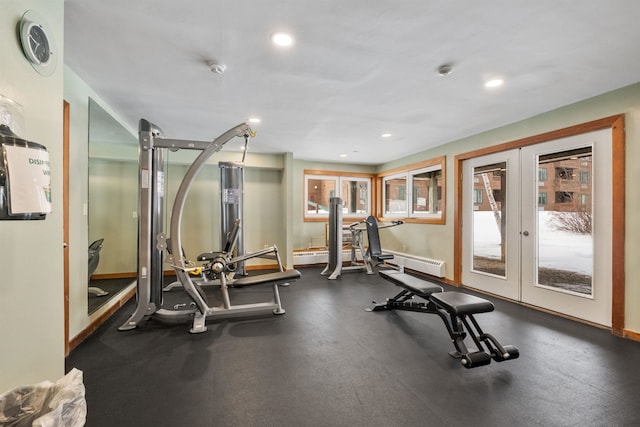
(328, 362)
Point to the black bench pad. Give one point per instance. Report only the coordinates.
(458, 303)
(278, 276)
(418, 286)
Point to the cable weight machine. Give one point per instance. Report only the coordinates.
(152, 241)
(370, 256)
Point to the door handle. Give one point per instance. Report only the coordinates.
(525, 233)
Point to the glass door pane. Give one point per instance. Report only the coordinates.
(491, 224)
(489, 219)
(565, 241)
(566, 225)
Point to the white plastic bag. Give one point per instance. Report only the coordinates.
(46, 404)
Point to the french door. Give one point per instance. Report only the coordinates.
(536, 225)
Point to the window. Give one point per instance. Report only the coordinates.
(415, 193)
(427, 188)
(319, 188)
(584, 177)
(564, 173)
(542, 174)
(395, 196)
(542, 199)
(477, 196)
(355, 195)
(564, 196)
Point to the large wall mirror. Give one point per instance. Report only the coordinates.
(112, 210)
(113, 204)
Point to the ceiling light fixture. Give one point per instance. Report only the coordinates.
(494, 83)
(385, 135)
(343, 155)
(254, 120)
(282, 39)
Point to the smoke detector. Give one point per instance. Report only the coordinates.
(217, 68)
(445, 69)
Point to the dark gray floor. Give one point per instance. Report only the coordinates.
(328, 362)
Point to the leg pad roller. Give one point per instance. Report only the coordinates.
(473, 360)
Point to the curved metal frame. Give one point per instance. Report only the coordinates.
(177, 210)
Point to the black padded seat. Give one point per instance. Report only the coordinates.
(278, 276)
(419, 287)
(461, 304)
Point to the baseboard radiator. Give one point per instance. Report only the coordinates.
(429, 266)
(320, 257)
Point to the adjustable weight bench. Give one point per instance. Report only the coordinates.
(456, 309)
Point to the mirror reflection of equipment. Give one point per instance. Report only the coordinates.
(94, 260)
(232, 206)
(152, 242)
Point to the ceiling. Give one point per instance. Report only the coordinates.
(358, 68)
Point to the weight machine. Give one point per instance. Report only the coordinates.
(152, 241)
(370, 256)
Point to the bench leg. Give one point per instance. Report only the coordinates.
(498, 352)
(276, 299)
(487, 347)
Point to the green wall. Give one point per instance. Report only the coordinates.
(31, 284)
(437, 240)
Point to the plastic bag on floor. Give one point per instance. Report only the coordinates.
(46, 404)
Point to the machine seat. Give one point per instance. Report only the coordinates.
(278, 276)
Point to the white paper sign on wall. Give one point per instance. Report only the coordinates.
(29, 180)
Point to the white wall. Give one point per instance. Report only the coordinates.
(31, 283)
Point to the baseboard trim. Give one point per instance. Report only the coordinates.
(86, 332)
(632, 335)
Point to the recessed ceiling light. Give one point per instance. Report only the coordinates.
(254, 120)
(494, 83)
(343, 155)
(282, 39)
(385, 135)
